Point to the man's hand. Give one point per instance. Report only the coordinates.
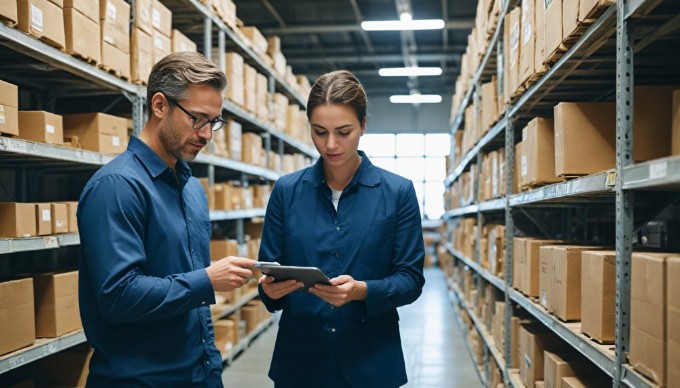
(342, 290)
(279, 289)
(230, 273)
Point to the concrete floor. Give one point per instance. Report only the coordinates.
(434, 348)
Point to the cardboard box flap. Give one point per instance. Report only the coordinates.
(16, 292)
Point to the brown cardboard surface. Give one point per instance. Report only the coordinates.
(262, 102)
(17, 318)
(161, 18)
(17, 220)
(273, 45)
(9, 95)
(116, 60)
(585, 137)
(71, 209)
(82, 35)
(224, 335)
(545, 277)
(180, 42)
(141, 55)
(162, 46)
(528, 40)
(675, 148)
(59, 218)
(534, 340)
(532, 266)
(558, 366)
(517, 167)
(538, 153)
(569, 17)
(539, 45)
(251, 314)
(143, 16)
(251, 148)
(98, 132)
(250, 88)
(553, 26)
(258, 41)
(56, 304)
(8, 12)
(489, 104)
(514, 52)
(566, 289)
(518, 262)
(233, 131)
(648, 315)
(42, 19)
(114, 16)
(9, 120)
(58, 3)
(587, 7)
(67, 368)
(223, 248)
(223, 197)
(598, 294)
(43, 216)
(673, 322)
(89, 8)
(41, 126)
(652, 122)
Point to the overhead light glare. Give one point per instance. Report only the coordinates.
(403, 25)
(416, 99)
(410, 71)
(405, 16)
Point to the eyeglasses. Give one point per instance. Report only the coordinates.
(200, 121)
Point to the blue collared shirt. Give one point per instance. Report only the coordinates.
(374, 236)
(144, 291)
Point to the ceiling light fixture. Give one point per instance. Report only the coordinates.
(416, 99)
(404, 23)
(410, 71)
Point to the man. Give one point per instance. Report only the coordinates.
(146, 282)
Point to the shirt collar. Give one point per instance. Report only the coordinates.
(153, 163)
(366, 175)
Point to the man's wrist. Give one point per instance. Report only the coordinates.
(362, 291)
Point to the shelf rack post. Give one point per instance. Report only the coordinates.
(509, 234)
(207, 37)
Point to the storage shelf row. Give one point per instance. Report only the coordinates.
(495, 280)
(245, 342)
(42, 347)
(478, 368)
(490, 136)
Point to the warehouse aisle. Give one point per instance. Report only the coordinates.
(433, 344)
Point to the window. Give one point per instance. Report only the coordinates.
(418, 157)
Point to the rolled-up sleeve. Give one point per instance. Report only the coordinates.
(111, 218)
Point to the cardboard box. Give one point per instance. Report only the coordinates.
(565, 296)
(569, 18)
(532, 266)
(41, 126)
(273, 45)
(233, 131)
(161, 18)
(251, 314)
(115, 24)
(257, 40)
(514, 52)
(9, 94)
(71, 210)
(17, 329)
(116, 60)
(516, 170)
(98, 132)
(673, 322)
(553, 27)
(598, 295)
(538, 153)
(250, 88)
(9, 120)
(585, 382)
(518, 262)
(180, 42)
(89, 8)
(143, 16)
(141, 56)
(162, 46)
(528, 40)
(43, 20)
(227, 10)
(539, 44)
(648, 316)
(545, 278)
(533, 341)
(67, 368)
(82, 35)
(251, 148)
(223, 197)
(262, 97)
(223, 248)
(675, 148)
(558, 366)
(8, 12)
(225, 332)
(587, 8)
(59, 218)
(56, 304)
(489, 104)
(652, 122)
(234, 69)
(43, 216)
(585, 138)
(17, 220)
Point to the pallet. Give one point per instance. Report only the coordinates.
(598, 340)
(84, 58)
(113, 71)
(10, 135)
(7, 22)
(598, 10)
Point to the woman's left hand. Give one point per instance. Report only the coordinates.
(343, 289)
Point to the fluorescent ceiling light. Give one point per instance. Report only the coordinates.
(416, 99)
(404, 24)
(409, 71)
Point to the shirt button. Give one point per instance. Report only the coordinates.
(333, 330)
(332, 307)
(207, 362)
(203, 302)
(203, 341)
(337, 228)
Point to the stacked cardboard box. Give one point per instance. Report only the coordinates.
(534, 339)
(526, 261)
(114, 16)
(233, 132)
(598, 300)
(234, 69)
(68, 368)
(257, 41)
(56, 304)
(252, 151)
(512, 54)
(141, 45)
(250, 88)
(81, 23)
(280, 111)
(161, 21)
(8, 13)
(42, 19)
(274, 52)
(97, 132)
(41, 126)
(223, 248)
(537, 160)
(9, 109)
(180, 42)
(17, 326)
(262, 97)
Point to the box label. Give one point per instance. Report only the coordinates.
(49, 128)
(46, 215)
(159, 43)
(111, 12)
(156, 18)
(59, 224)
(115, 140)
(524, 165)
(108, 39)
(526, 34)
(36, 18)
(658, 170)
(2, 114)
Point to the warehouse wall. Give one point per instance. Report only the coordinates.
(385, 117)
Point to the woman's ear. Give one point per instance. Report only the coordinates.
(159, 105)
(363, 126)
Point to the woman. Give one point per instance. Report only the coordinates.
(361, 226)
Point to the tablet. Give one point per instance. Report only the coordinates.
(307, 275)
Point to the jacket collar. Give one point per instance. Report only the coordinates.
(153, 163)
(366, 175)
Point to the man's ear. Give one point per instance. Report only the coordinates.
(159, 105)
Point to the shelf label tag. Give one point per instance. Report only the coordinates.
(657, 170)
(51, 242)
(611, 178)
(16, 145)
(16, 361)
(50, 349)
(36, 18)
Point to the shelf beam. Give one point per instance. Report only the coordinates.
(42, 347)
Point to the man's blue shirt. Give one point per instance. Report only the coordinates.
(144, 292)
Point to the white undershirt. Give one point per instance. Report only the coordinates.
(335, 197)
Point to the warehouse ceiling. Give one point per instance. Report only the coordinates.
(318, 36)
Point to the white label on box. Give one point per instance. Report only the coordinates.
(144, 15)
(111, 12)
(36, 18)
(59, 224)
(16, 145)
(159, 43)
(544, 299)
(115, 140)
(156, 18)
(2, 114)
(108, 39)
(657, 170)
(46, 215)
(524, 165)
(526, 34)
(49, 128)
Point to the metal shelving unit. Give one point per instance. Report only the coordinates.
(454, 300)
(42, 347)
(600, 65)
(38, 243)
(245, 342)
(224, 215)
(241, 302)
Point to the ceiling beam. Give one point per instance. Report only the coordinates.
(393, 58)
(462, 24)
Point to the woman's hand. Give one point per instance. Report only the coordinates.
(279, 289)
(343, 289)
